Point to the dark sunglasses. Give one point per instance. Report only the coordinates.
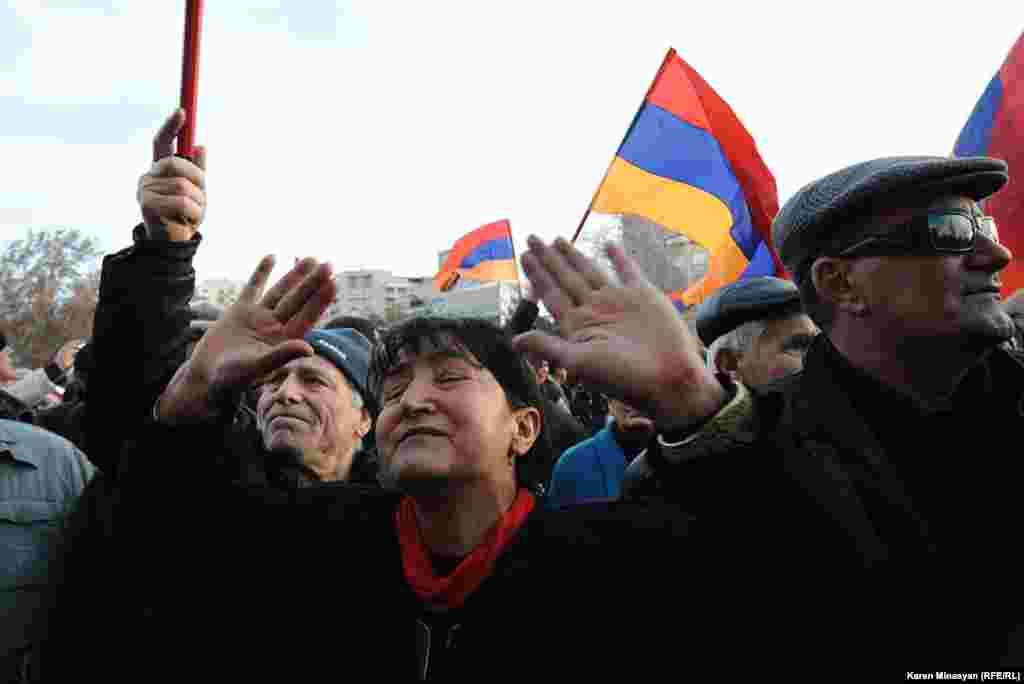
(953, 231)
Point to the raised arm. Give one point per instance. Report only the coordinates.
(142, 314)
(256, 335)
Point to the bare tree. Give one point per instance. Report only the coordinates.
(49, 285)
(80, 309)
(671, 261)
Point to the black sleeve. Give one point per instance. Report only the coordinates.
(139, 339)
(523, 318)
(724, 467)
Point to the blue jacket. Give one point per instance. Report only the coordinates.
(41, 477)
(593, 469)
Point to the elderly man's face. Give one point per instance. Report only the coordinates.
(937, 295)
(307, 409)
(778, 351)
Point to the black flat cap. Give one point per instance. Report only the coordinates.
(823, 216)
(753, 299)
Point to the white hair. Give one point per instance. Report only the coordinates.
(739, 340)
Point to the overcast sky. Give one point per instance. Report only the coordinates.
(376, 133)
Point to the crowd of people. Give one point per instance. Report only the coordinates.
(811, 486)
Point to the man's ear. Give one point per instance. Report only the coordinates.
(365, 422)
(527, 429)
(728, 361)
(835, 283)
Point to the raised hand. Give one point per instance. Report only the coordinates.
(626, 340)
(257, 334)
(172, 193)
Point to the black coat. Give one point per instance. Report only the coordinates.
(140, 338)
(907, 511)
(197, 557)
(216, 578)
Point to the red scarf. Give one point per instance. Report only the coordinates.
(453, 590)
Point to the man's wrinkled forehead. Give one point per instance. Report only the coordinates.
(316, 364)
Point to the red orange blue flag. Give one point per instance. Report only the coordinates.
(996, 129)
(484, 255)
(688, 165)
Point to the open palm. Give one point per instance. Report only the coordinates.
(624, 339)
(261, 332)
(257, 334)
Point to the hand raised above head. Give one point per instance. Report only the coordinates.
(172, 194)
(255, 336)
(625, 339)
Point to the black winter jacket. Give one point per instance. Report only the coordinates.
(896, 514)
(197, 558)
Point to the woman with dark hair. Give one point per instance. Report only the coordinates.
(464, 354)
(441, 574)
(461, 437)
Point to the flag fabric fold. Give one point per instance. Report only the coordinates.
(689, 165)
(996, 129)
(484, 255)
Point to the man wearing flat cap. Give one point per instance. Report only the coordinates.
(867, 498)
(755, 330)
(882, 438)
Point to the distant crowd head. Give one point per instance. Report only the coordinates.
(755, 330)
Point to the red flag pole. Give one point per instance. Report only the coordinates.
(664, 63)
(190, 75)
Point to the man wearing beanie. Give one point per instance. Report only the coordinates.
(876, 467)
(208, 526)
(313, 409)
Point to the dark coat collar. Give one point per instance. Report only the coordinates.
(828, 446)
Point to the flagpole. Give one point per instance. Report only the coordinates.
(190, 75)
(664, 63)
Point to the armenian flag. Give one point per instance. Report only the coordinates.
(688, 164)
(484, 255)
(996, 129)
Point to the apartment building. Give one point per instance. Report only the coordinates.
(379, 293)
